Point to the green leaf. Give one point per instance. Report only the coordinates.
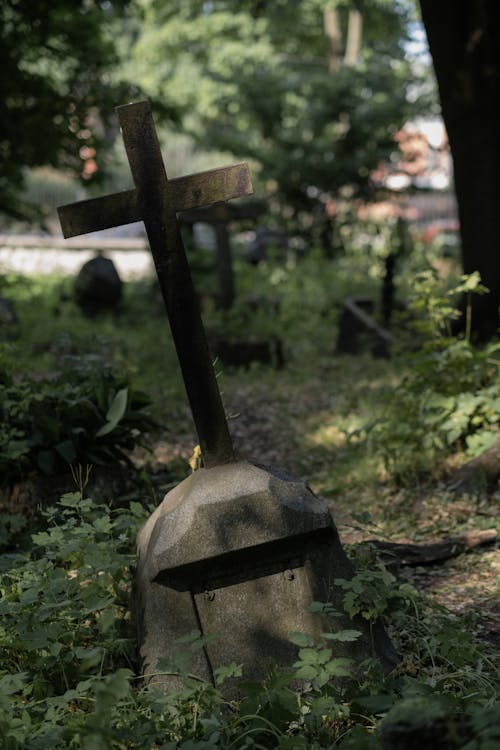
(339, 667)
(111, 689)
(376, 703)
(224, 673)
(16, 448)
(309, 655)
(115, 413)
(13, 683)
(70, 499)
(293, 743)
(305, 671)
(480, 442)
(343, 635)
(301, 639)
(90, 657)
(191, 637)
(106, 429)
(118, 406)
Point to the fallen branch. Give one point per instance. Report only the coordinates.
(395, 553)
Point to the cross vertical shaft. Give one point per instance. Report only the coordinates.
(157, 208)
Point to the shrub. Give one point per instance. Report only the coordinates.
(449, 396)
(85, 414)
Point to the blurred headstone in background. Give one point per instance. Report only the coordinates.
(98, 286)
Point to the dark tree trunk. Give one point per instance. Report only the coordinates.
(465, 48)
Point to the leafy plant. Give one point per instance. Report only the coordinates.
(369, 593)
(64, 620)
(67, 669)
(449, 396)
(85, 414)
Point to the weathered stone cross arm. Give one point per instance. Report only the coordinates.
(156, 201)
(191, 191)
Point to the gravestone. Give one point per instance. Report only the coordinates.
(219, 216)
(235, 549)
(359, 331)
(98, 286)
(234, 352)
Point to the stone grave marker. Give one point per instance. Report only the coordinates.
(235, 550)
(219, 216)
(359, 331)
(98, 286)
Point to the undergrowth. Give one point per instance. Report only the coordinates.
(84, 413)
(67, 666)
(449, 397)
(68, 672)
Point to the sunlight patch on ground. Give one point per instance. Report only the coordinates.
(326, 435)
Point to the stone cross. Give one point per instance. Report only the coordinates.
(156, 201)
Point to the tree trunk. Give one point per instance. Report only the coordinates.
(462, 36)
(332, 30)
(354, 32)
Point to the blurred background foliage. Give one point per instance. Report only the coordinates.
(308, 94)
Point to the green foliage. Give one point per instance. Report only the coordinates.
(56, 57)
(86, 414)
(65, 637)
(45, 188)
(369, 593)
(67, 677)
(449, 396)
(264, 91)
(66, 668)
